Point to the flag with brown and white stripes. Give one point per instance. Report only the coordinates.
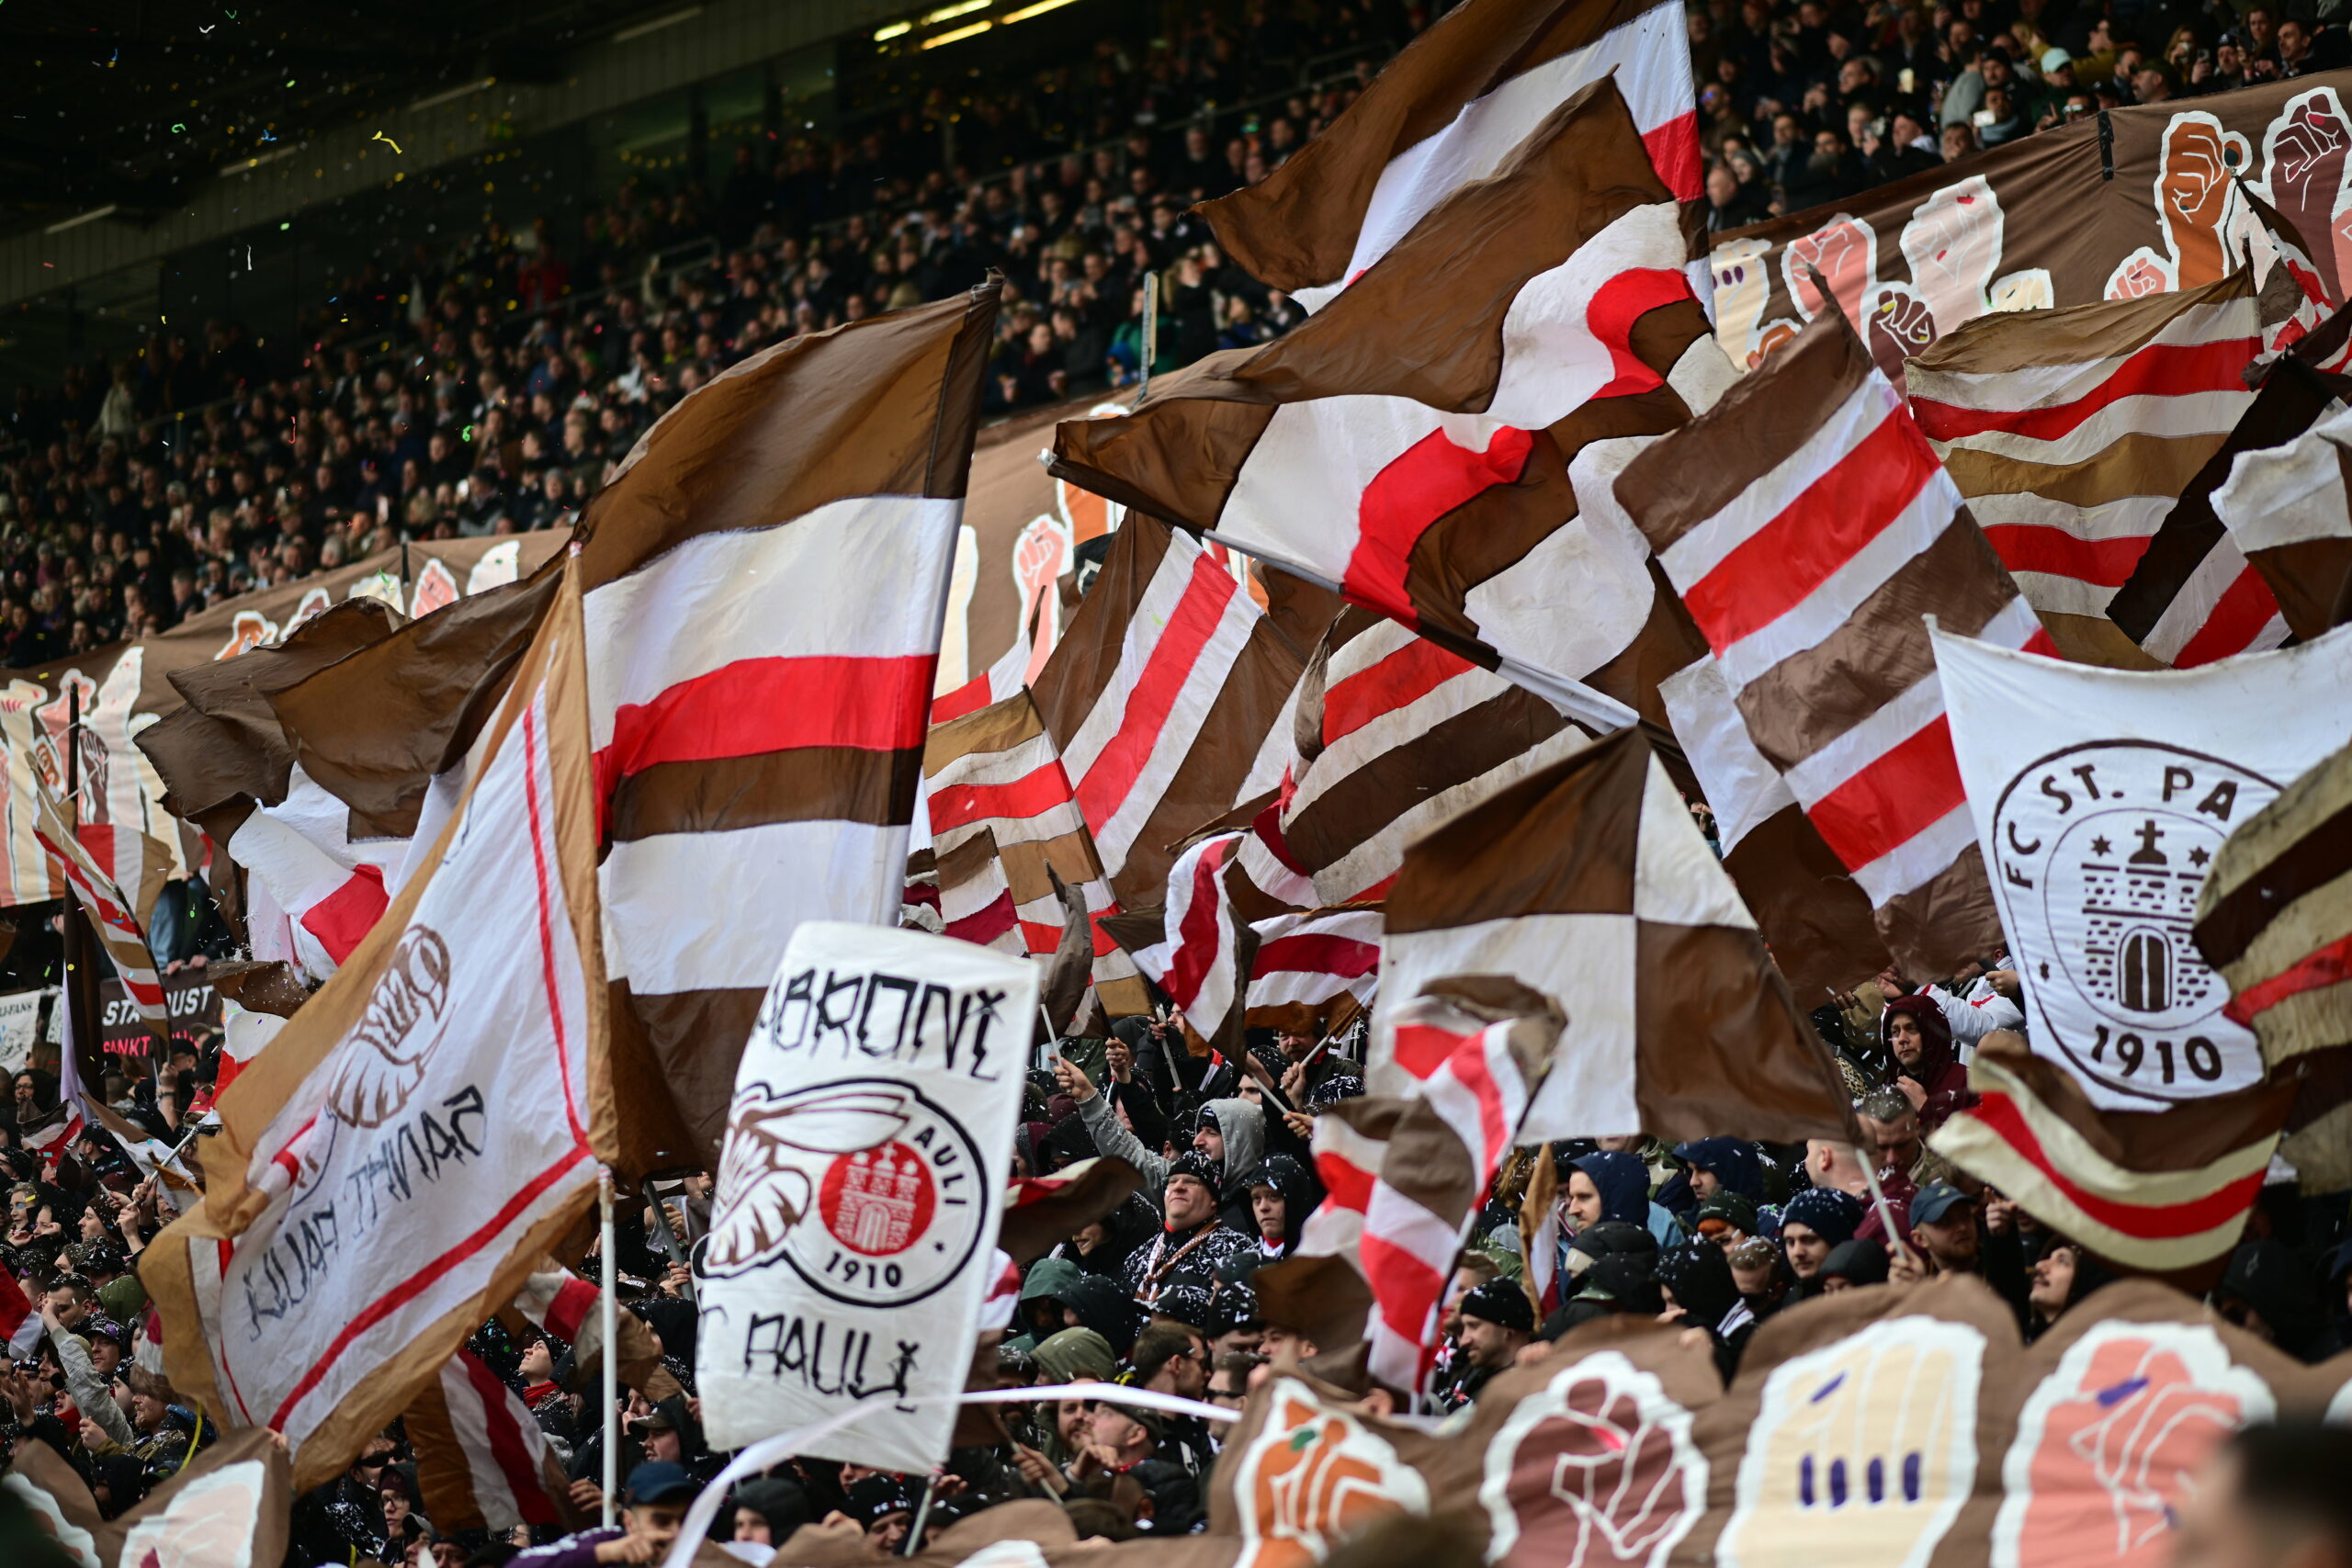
(765, 577)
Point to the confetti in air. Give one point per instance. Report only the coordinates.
(388, 141)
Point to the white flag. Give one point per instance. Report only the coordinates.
(2101, 797)
(860, 1189)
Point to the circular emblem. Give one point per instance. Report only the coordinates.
(2102, 850)
(872, 1193)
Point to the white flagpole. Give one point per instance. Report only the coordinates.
(609, 1312)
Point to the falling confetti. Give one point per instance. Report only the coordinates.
(388, 141)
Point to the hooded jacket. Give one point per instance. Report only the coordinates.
(1050, 1281)
(1939, 1072)
(1300, 1193)
(1243, 1126)
(1104, 1306)
(1624, 1183)
(1732, 1161)
(2268, 1275)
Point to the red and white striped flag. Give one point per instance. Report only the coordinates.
(108, 905)
(997, 772)
(1437, 1155)
(974, 900)
(1405, 733)
(1315, 970)
(993, 685)
(1447, 111)
(313, 893)
(1411, 443)
(20, 1324)
(765, 577)
(482, 1460)
(1809, 529)
(1159, 698)
(2074, 431)
(572, 1309)
(1195, 948)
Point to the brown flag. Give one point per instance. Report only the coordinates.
(1589, 883)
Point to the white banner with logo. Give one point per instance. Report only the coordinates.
(860, 1187)
(2100, 796)
(19, 1026)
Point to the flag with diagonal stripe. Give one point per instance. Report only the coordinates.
(1809, 529)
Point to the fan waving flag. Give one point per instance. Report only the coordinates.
(1587, 883)
(1448, 110)
(765, 575)
(1412, 442)
(109, 906)
(2073, 433)
(1809, 529)
(1195, 948)
(1159, 698)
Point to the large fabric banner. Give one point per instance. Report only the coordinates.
(860, 1187)
(2101, 797)
(2114, 205)
(398, 1162)
(19, 1026)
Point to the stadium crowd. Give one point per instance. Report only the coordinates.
(139, 493)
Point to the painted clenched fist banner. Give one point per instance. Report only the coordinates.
(2114, 205)
(859, 1189)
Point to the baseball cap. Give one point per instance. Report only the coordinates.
(2055, 60)
(659, 1481)
(1932, 1203)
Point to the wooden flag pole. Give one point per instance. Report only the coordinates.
(1885, 1212)
(610, 1315)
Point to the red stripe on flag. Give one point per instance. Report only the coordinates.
(568, 1313)
(969, 697)
(2237, 618)
(1472, 1071)
(344, 917)
(1674, 153)
(1346, 1185)
(2328, 965)
(1772, 571)
(1033, 794)
(507, 1448)
(1914, 785)
(756, 706)
(1197, 935)
(2161, 369)
(16, 1312)
(984, 926)
(2149, 1222)
(1423, 1049)
(1043, 938)
(1342, 957)
(2025, 546)
(1170, 665)
(1616, 305)
(1404, 1286)
(1411, 672)
(1428, 479)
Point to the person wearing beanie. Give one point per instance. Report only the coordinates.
(1283, 1192)
(1815, 1221)
(1851, 1264)
(884, 1507)
(1727, 1219)
(1193, 1242)
(1495, 1321)
(1696, 1285)
(768, 1508)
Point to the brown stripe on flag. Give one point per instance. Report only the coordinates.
(2080, 334)
(669, 1073)
(1479, 866)
(966, 861)
(1000, 726)
(1180, 462)
(1752, 428)
(1323, 831)
(1070, 854)
(1880, 651)
(1947, 919)
(376, 727)
(2307, 848)
(226, 743)
(796, 427)
(2290, 400)
(1815, 919)
(1668, 641)
(2309, 576)
(2134, 464)
(1722, 1043)
(1218, 762)
(808, 783)
(1297, 227)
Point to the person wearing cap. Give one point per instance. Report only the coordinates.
(1495, 1321)
(1193, 1242)
(654, 1503)
(1944, 1224)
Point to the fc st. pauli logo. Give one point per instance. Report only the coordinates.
(2101, 848)
(869, 1190)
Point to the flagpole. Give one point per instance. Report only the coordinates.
(1885, 1212)
(610, 1315)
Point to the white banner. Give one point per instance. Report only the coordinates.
(19, 1022)
(449, 1118)
(2099, 797)
(860, 1189)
